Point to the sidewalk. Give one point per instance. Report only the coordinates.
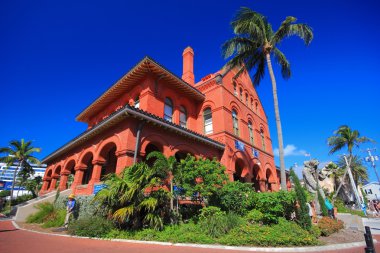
(17, 240)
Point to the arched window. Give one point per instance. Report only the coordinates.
(250, 130)
(262, 139)
(246, 99)
(168, 110)
(207, 117)
(137, 102)
(241, 94)
(235, 122)
(251, 103)
(182, 116)
(235, 90)
(257, 107)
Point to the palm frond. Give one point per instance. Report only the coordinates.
(282, 31)
(154, 221)
(283, 62)
(304, 31)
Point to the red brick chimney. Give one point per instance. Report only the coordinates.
(188, 65)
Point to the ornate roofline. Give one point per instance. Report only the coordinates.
(123, 113)
(145, 66)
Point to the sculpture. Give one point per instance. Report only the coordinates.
(311, 174)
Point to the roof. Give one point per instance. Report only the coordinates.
(141, 69)
(372, 183)
(120, 115)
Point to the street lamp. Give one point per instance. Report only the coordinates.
(370, 158)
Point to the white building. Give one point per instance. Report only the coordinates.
(372, 190)
(6, 177)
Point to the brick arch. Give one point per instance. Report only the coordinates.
(114, 140)
(66, 165)
(154, 139)
(239, 155)
(82, 160)
(184, 148)
(270, 174)
(57, 170)
(208, 104)
(49, 173)
(234, 105)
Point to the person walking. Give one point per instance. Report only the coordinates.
(70, 205)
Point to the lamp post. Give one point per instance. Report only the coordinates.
(370, 158)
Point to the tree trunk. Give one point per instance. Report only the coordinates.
(13, 185)
(171, 197)
(278, 124)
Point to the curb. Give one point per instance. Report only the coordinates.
(341, 246)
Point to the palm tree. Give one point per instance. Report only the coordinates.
(136, 197)
(359, 171)
(345, 137)
(165, 164)
(254, 45)
(19, 152)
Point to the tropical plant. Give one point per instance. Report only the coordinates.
(302, 212)
(359, 171)
(161, 163)
(201, 179)
(34, 185)
(19, 153)
(254, 45)
(345, 137)
(136, 197)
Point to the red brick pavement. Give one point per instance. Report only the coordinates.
(20, 241)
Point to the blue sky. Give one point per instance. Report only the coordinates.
(58, 56)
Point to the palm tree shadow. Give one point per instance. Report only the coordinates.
(8, 230)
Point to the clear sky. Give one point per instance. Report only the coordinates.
(56, 57)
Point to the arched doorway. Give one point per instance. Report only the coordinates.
(149, 149)
(87, 160)
(48, 175)
(181, 155)
(255, 177)
(239, 167)
(71, 168)
(108, 154)
(268, 185)
(57, 175)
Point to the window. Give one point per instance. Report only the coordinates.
(235, 90)
(168, 110)
(137, 102)
(251, 104)
(182, 117)
(250, 130)
(246, 99)
(257, 107)
(262, 139)
(241, 94)
(235, 122)
(207, 117)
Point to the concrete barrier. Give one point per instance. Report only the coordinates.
(29, 207)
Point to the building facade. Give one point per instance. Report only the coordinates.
(151, 109)
(372, 191)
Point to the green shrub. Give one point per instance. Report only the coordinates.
(55, 219)
(315, 231)
(322, 205)
(329, 226)
(215, 223)
(85, 206)
(44, 210)
(302, 213)
(92, 227)
(274, 205)
(5, 193)
(254, 216)
(235, 197)
(343, 209)
(285, 233)
(21, 199)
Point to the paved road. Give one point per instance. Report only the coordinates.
(20, 241)
(374, 224)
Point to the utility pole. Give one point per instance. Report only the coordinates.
(370, 158)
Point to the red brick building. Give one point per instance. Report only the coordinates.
(150, 108)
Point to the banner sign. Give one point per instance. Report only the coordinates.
(99, 187)
(239, 145)
(255, 153)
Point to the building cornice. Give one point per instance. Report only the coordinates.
(121, 114)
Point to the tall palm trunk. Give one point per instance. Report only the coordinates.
(278, 123)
